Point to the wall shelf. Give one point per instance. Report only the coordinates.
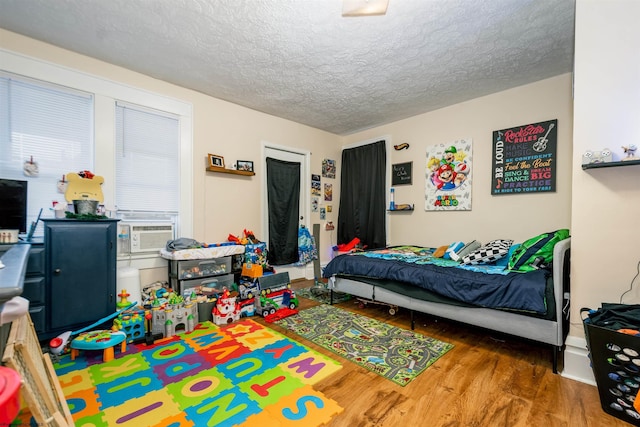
(231, 171)
(402, 208)
(611, 164)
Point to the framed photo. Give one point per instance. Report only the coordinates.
(216, 161)
(244, 165)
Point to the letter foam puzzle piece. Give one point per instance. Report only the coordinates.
(304, 407)
(311, 367)
(142, 411)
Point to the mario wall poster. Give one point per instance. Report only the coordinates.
(449, 176)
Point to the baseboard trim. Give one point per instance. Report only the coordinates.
(577, 365)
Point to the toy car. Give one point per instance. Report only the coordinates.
(247, 307)
(248, 288)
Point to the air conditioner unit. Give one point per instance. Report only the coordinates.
(149, 236)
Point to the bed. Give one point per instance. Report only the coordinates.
(532, 305)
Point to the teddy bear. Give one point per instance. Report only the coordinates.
(79, 188)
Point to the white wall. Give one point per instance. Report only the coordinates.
(223, 204)
(606, 202)
(515, 217)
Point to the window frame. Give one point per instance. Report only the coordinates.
(106, 94)
(74, 132)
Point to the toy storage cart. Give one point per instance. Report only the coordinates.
(188, 274)
(213, 266)
(615, 359)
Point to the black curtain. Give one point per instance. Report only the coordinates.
(283, 198)
(362, 195)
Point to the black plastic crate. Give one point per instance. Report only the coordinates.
(615, 359)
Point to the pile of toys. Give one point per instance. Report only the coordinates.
(164, 312)
(275, 294)
(264, 295)
(247, 238)
(259, 290)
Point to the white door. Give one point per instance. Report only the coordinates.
(290, 155)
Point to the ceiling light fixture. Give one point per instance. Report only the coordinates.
(364, 7)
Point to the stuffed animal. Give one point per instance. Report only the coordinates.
(630, 151)
(79, 188)
(603, 156)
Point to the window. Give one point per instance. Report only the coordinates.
(147, 153)
(103, 97)
(46, 131)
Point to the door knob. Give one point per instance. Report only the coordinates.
(57, 271)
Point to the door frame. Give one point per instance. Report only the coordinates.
(295, 272)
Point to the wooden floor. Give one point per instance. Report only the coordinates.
(485, 380)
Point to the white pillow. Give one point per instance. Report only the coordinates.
(466, 249)
(492, 251)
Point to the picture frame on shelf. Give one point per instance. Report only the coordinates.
(244, 165)
(216, 161)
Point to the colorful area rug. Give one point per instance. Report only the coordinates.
(243, 374)
(394, 353)
(322, 295)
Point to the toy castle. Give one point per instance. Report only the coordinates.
(174, 317)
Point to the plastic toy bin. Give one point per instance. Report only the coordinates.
(190, 269)
(217, 282)
(615, 359)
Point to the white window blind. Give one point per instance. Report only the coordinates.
(49, 124)
(147, 160)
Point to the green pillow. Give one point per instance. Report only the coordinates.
(504, 261)
(537, 252)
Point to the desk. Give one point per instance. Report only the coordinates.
(12, 275)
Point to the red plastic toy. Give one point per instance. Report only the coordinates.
(280, 314)
(346, 247)
(9, 395)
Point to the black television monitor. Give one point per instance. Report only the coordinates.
(13, 205)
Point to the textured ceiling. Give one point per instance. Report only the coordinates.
(301, 60)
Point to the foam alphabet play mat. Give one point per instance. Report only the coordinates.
(243, 374)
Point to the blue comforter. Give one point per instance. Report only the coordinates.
(492, 288)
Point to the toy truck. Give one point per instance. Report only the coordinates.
(247, 307)
(248, 288)
(275, 293)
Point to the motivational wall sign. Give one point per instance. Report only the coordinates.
(524, 159)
